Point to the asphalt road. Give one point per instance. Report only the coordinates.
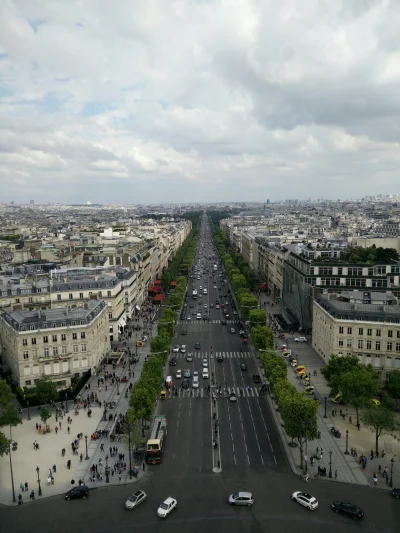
(251, 458)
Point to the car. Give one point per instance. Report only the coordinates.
(185, 384)
(287, 353)
(183, 348)
(309, 390)
(241, 498)
(198, 316)
(222, 305)
(189, 318)
(227, 316)
(215, 286)
(205, 363)
(144, 338)
(197, 345)
(234, 312)
(195, 382)
(135, 500)
(176, 348)
(78, 492)
(178, 374)
(189, 358)
(300, 339)
(193, 312)
(220, 359)
(232, 396)
(205, 306)
(187, 373)
(184, 332)
(172, 362)
(217, 306)
(223, 322)
(211, 305)
(256, 379)
(396, 493)
(232, 330)
(139, 344)
(337, 398)
(348, 509)
(306, 500)
(166, 507)
(300, 370)
(293, 362)
(205, 374)
(195, 373)
(375, 402)
(241, 332)
(243, 366)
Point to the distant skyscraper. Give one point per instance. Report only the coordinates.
(268, 201)
(32, 202)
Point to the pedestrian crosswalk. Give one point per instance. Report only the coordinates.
(213, 355)
(181, 322)
(202, 392)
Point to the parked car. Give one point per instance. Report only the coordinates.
(300, 339)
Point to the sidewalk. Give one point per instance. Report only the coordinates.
(347, 467)
(26, 459)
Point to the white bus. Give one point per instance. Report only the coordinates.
(194, 294)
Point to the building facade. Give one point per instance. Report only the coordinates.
(56, 344)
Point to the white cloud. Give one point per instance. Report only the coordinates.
(191, 100)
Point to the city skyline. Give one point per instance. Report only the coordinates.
(197, 102)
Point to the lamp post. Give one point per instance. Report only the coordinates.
(66, 402)
(117, 380)
(38, 480)
(347, 442)
(330, 463)
(325, 415)
(130, 454)
(391, 473)
(87, 456)
(107, 470)
(11, 468)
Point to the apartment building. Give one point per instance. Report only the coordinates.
(361, 323)
(56, 344)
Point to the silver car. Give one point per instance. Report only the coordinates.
(241, 498)
(136, 499)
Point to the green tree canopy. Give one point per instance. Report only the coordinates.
(44, 414)
(46, 391)
(393, 383)
(9, 415)
(141, 403)
(337, 366)
(379, 420)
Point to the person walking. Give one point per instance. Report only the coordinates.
(20, 502)
(69, 464)
(143, 467)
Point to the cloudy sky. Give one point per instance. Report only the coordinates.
(138, 101)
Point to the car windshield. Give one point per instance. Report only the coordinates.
(134, 497)
(164, 506)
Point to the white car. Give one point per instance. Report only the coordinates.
(176, 348)
(205, 374)
(205, 363)
(217, 306)
(198, 316)
(183, 348)
(195, 373)
(178, 374)
(166, 507)
(306, 500)
(205, 306)
(300, 339)
(195, 382)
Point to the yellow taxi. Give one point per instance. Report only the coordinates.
(375, 402)
(139, 344)
(294, 362)
(300, 369)
(309, 390)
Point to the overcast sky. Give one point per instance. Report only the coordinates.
(128, 101)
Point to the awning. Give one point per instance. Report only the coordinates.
(137, 307)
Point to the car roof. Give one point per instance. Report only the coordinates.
(245, 494)
(169, 500)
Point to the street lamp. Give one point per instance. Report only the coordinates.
(107, 470)
(347, 442)
(11, 468)
(38, 480)
(66, 402)
(325, 415)
(391, 473)
(117, 379)
(330, 463)
(87, 456)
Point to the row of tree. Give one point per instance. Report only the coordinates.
(358, 385)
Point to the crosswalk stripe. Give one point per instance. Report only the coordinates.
(205, 355)
(181, 322)
(201, 391)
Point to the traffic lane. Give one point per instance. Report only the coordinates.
(202, 503)
(198, 444)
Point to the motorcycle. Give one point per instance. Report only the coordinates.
(336, 433)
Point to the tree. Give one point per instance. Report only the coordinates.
(379, 420)
(141, 402)
(300, 417)
(358, 387)
(44, 414)
(257, 317)
(46, 391)
(9, 415)
(393, 384)
(337, 366)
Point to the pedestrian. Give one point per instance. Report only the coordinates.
(37, 426)
(81, 457)
(333, 412)
(21, 486)
(32, 495)
(20, 502)
(319, 434)
(372, 454)
(379, 469)
(68, 429)
(143, 467)
(26, 486)
(54, 469)
(343, 416)
(335, 474)
(60, 425)
(56, 429)
(350, 419)
(69, 464)
(340, 412)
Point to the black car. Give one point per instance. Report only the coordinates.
(197, 345)
(220, 359)
(348, 509)
(396, 493)
(256, 378)
(78, 492)
(243, 366)
(172, 362)
(185, 384)
(223, 322)
(184, 332)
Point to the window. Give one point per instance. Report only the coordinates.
(26, 355)
(75, 348)
(81, 295)
(83, 347)
(369, 332)
(55, 350)
(340, 271)
(64, 349)
(369, 345)
(45, 339)
(349, 331)
(100, 294)
(63, 324)
(30, 300)
(398, 334)
(110, 317)
(58, 297)
(378, 332)
(27, 383)
(53, 325)
(33, 340)
(390, 333)
(63, 337)
(109, 294)
(46, 352)
(360, 344)
(378, 346)
(70, 296)
(361, 331)
(341, 329)
(348, 343)
(54, 337)
(17, 300)
(83, 335)
(74, 336)
(389, 347)
(24, 342)
(34, 354)
(340, 342)
(397, 346)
